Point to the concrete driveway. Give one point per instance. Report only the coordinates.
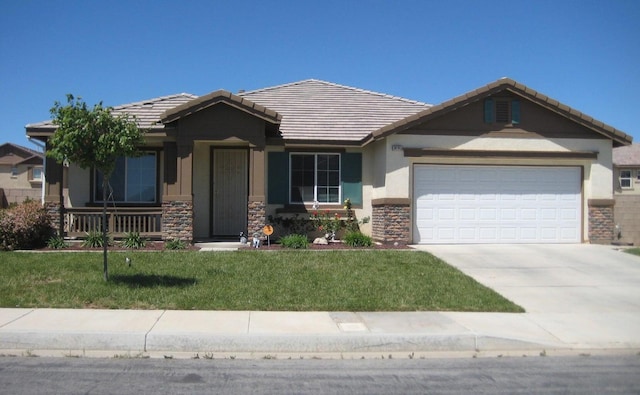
(554, 278)
(582, 294)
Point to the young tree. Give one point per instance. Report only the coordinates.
(93, 138)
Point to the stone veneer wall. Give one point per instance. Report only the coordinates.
(256, 217)
(601, 224)
(391, 222)
(177, 220)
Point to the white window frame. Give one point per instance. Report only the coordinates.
(315, 177)
(626, 179)
(98, 199)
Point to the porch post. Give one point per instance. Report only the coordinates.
(177, 197)
(53, 194)
(256, 212)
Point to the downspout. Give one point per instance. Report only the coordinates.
(44, 165)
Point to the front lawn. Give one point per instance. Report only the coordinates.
(388, 280)
(634, 251)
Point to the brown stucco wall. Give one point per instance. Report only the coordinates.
(626, 215)
(539, 122)
(222, 123)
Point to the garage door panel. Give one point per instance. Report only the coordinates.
(495, 204)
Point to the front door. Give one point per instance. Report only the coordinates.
(229, 186)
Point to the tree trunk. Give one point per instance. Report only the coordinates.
(105, 182)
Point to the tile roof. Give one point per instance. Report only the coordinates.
(627, 156)
(323, 111)
(147, 112)
(618, 137)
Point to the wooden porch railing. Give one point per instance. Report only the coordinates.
(121, 220)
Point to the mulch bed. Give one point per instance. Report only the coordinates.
(159, 246)
(338, 246)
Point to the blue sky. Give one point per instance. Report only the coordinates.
(584, 53)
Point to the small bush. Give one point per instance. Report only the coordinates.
(24, 226)
(133, 240)
(295, 241)
(57, 243)
(357, 239)
(93, 239)
(175, 244)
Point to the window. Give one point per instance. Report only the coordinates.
(133, 180)
(637, 175)
(14, 172)
(35, 174)
(625, 179)
(502, 110)
(314, 177)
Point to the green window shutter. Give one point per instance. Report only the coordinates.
(515, 112)
(488, 110)
(278, 178)
(351, 173)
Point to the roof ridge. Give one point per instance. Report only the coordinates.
(268, 88)
(360, 90)
(154, 100)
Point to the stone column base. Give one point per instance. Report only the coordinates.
(256, 216)
(177, 220)
(54, 210)
(601, 223)
(391, 221)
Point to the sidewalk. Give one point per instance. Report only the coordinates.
(72, 332)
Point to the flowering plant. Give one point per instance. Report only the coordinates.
(327, 223)
(352, 224)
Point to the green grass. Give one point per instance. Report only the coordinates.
(634, 251)
(244, 280)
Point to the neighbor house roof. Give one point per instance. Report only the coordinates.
(316, 111)
(147, 113)
(505, 84)
(14, 154)
(627, 156)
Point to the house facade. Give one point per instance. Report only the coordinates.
(500, 164)
(21, 174)
(626, 187)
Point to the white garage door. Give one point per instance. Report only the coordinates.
(496, 204)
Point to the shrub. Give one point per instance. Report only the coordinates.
(357, 239)
(175, 244)
(93, 239)
(295, 241)
(57, 243)
(290, 225)
(24, 226)
(133, 240)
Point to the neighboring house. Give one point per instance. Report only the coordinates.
(626, 186)
(500, 164)
(20, 174)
